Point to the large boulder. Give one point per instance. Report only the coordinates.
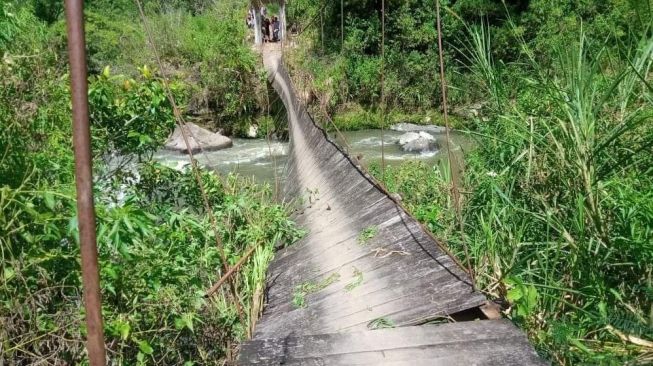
(411, 127)
(199, 139)
(418, 142)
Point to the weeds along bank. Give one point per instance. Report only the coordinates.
(157, 250)
(203, 45)
(558, 193)
(559, 216)
(336, 58)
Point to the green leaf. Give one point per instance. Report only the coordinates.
(580, 345)
(185, 321)
(514, 294)
(603, 309)
(9, 273)
(180, 323)
(125, 329)
(48, 197)
(145, 347)
(531, 297)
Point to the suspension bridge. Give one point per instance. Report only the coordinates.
(367, 284)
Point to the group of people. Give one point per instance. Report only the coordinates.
(270, 27)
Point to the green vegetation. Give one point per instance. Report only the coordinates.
(557, 198)
(157, 249)
(358, 280)
(356, 118)
(380, 323)
(301, 291)
(558, 203)
(367, 234)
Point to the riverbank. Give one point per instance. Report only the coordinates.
(354, 117)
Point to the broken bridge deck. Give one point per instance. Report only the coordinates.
(364, 264)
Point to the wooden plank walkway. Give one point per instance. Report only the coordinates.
(364, 263)
(490, 342)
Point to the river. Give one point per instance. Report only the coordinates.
(259, 159)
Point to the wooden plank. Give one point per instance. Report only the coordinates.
(487, 342)
(404, 259)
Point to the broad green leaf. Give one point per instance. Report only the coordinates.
(48, 197)
(9, 273)
(125, 329)
(145, 347)
(514, 294)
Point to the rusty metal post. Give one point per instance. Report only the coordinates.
(84, 182)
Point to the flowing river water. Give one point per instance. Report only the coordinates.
(260, 159)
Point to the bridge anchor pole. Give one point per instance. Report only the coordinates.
(84, 182)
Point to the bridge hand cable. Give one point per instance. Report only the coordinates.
(454, 186)
(383, 91)
(181, 123)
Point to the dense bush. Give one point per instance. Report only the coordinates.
(130, 117)
(558, 207)
(341, 74)
(157, 248)
(157, 259)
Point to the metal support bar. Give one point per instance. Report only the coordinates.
(84, 182)
(282, 19)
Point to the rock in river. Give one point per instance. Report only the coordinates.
(418, 142)
(252, 131)
(199, 139)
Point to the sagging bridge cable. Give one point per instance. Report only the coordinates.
(194, 165)
(454, 186)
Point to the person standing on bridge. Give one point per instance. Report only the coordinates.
(275, 29)
(265, 27)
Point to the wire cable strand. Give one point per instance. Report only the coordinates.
(194, 165)
(454, 187)
(383, 91)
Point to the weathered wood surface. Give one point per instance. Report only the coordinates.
(343, 285)
(488, 342)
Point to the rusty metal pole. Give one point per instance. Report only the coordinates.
(84, 182)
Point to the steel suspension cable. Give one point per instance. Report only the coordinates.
(383, 91)
(194, 165)
(342, 25)
(454, 187)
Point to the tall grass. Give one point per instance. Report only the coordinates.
(552, 214)
(558, 209)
